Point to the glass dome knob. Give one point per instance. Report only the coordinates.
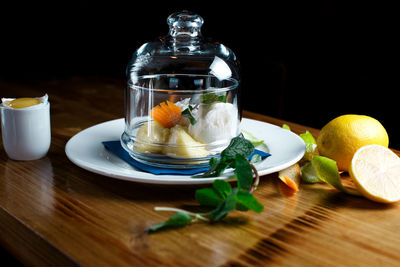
(185, 24)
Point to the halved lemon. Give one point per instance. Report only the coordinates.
(375, 171)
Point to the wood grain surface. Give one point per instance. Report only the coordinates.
(54, 213)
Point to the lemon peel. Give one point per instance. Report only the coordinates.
(326, 170)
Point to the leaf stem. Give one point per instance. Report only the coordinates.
(195, 215)
(256, 179)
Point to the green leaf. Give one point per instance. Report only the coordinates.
(223, 188)
(311, 145)
(208, 197)
(222, 210)
(238, 146)
(228, 205)
(213, 166)
(216, 168)
(211, 98)
(213, 162)
(178, 220)
(246, 199)
(243, 171)
(286, 127)
(187, 113)
(238, 200)
(212, 197)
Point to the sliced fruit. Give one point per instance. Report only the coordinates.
(375, 171)
(291, 177)
(167, 114)
(151, 137)
(182, 145)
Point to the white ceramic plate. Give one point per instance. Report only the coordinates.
(86, 150)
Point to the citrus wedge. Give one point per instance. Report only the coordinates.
(375, 171)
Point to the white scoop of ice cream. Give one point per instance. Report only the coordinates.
(217, 122)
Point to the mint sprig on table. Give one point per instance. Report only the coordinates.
(222, 198)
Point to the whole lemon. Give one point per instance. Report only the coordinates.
(340, 138)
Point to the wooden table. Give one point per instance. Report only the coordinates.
(55, 213)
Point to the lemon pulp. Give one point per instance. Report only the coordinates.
(24, 102)
(375, 171)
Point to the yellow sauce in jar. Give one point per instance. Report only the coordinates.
(24, 102)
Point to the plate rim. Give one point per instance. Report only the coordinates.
(152, 178)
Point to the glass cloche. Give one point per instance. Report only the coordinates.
(182, 97)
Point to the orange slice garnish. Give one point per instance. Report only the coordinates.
(167, 114)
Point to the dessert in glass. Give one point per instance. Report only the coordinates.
(182, 97)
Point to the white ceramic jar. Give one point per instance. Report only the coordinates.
(26, 131)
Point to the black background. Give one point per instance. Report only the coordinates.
(306, 62)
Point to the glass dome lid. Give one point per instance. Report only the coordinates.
(182, 98)
(184, 51)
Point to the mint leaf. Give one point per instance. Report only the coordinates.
(238, 146)
(211, 98)
(208, 197)
(212, 197)
(223, 188)
(216, 168)
(228, 205)
(243, 171)
(239, 199)
(187, 113)
(178, 220)
(246, 199)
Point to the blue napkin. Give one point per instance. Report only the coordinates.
(116, 148)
